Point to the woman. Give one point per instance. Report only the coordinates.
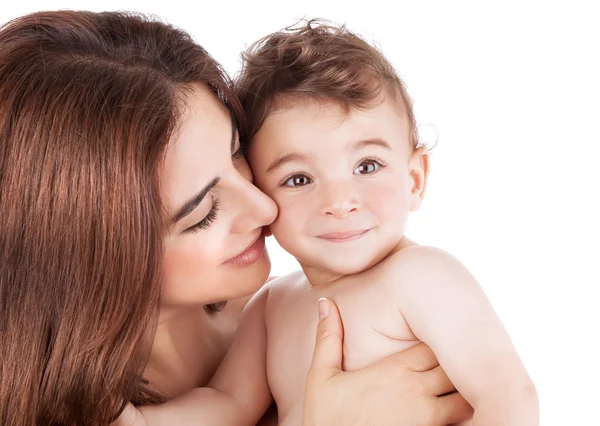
(128, 215)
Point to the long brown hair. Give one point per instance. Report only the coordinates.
(88, 104)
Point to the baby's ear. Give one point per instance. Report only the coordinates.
(418, 170)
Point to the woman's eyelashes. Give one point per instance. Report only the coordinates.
(214, 208)
(208, 219)
(366, 166)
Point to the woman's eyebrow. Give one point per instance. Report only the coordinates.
(193, 202)
(234, 132)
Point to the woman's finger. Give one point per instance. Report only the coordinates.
(129, 417)
(416, 358)
(436, 382)
(327, 356)
(451, 409)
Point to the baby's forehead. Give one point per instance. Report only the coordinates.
(311, 115)
(303, 125)
(342, 107)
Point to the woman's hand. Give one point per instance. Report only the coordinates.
(403, 389)
(130, 416)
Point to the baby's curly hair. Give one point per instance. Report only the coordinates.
(317, 60)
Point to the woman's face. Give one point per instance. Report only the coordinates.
(214, 248)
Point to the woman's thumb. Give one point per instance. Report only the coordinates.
(130, 417)
(327, 357)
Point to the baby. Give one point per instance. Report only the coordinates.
(333, 141)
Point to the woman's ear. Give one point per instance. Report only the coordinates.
(418, 170)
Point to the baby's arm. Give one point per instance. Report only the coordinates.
(239, 393)
(447, 309)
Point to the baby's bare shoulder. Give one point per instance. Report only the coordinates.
(419, 255)
(415, 264)
(286, 286)
(286, 283)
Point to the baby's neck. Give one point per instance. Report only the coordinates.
(322, 277)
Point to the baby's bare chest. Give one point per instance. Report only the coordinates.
(373, 329)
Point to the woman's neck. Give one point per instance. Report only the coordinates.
(189, 346)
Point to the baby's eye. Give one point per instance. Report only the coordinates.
(367, 167)
(297, 180)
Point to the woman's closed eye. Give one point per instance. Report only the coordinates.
(208, 219)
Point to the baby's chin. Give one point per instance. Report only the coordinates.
(341, 265)
(356, 260)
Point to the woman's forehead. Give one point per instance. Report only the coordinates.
(199, 150)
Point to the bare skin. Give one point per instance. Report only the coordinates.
(185, 330)
(404, 389)
(344, 183)
(199, 339)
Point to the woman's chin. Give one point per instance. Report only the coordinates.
(248, 280)
(231, 284)
(255, 276)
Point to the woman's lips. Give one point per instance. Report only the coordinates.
(251, 255)
(342, 237)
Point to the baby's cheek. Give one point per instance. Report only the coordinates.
(388, 202)
(290, 222)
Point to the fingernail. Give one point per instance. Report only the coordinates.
(323, 308)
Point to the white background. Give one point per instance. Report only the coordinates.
(514, 91)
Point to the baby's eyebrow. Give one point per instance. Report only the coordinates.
(296, 156)
(288, 158)
(371, 142)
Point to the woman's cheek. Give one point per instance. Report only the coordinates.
(186, 266)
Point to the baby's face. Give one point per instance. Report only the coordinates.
(344, 183)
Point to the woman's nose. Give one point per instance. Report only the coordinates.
(256, 208)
